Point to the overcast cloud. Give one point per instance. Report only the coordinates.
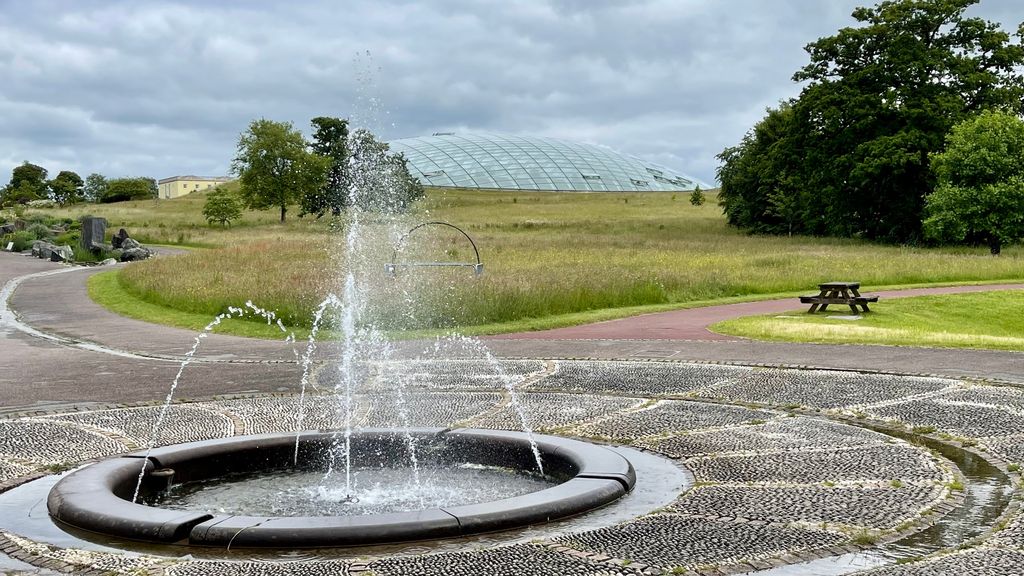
(164, 88)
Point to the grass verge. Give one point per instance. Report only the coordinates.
(106, 289)
(989, 320)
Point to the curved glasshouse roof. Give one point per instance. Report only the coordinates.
(502, 161)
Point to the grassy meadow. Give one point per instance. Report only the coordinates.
(991, 320)
(551, 259)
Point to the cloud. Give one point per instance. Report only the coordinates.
(158, 89)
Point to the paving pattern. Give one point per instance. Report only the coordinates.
(781, 474)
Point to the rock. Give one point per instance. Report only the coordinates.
(133, 254)
(93, 231)
(118, 239)
(7, 228)
(42, 249)
(129, 244)
(62, 254)
(108, 262)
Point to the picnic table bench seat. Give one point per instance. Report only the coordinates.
(818, 299)
(839, 293)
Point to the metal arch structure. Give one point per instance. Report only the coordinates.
(391, 268)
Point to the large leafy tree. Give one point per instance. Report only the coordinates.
(28, 182)
(95, 187)
(274, 167)
(330, 140)
(980, 196)
(380, 179)
(66, 188)
(122, 189)
(879, 100)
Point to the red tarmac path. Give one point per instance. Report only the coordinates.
(692, 324)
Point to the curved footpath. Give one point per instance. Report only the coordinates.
(38, 373)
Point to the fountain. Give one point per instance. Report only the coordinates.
(581, 477)
(345, 486)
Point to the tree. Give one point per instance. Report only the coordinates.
(221, 206)
(95, 187)
(28, 182)
(980, 196)
(380, 179)
(274, 167)
(879, 101)
(697, 197)
(761, 178)
(121, 189)
(330, 140)
(66, 188)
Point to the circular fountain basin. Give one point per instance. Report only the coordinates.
(97, 498)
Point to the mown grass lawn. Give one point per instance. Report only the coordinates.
(551, 259)
(992, 320)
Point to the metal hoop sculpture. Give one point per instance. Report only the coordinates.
(392, 267)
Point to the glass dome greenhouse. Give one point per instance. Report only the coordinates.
(507, 162)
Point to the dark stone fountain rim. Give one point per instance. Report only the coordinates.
(97, 497)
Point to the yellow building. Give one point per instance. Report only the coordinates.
(176, 186)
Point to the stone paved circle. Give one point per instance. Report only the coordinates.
(783, 473)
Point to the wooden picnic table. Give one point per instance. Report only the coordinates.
(839, 293)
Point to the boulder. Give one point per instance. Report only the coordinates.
(118, 239)
(42, 249)
(93, 231)
(133, 254)
(62, 254)
(129, 244)
(8, 228)
(108, 262)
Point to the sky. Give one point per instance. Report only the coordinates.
(165, 88)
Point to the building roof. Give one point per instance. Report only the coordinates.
(199, 178)
(504, 161)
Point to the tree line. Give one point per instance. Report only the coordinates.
(337, 169)
(29, 183)
(875, 144)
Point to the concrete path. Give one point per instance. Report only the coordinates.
(38, 373)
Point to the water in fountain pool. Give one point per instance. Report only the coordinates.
(376, 491)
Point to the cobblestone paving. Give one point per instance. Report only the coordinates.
(823, 389)
(669, 540)
(430, 409)
(980, 562)
(991, 395)
(774, 435)
(644, 378)
(48, 442)
(507, 561)
(182, 423)
(778, 485)
(958, 419)
(878, 508)
(10, 470)
(281, 414)
(549, 411)
(1013, 534)
(203, 568)
(460, 374)
(1010, 448)
(670, 416)
(860, 464)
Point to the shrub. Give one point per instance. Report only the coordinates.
(39, 231)
(69, 238)
(22, 240)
